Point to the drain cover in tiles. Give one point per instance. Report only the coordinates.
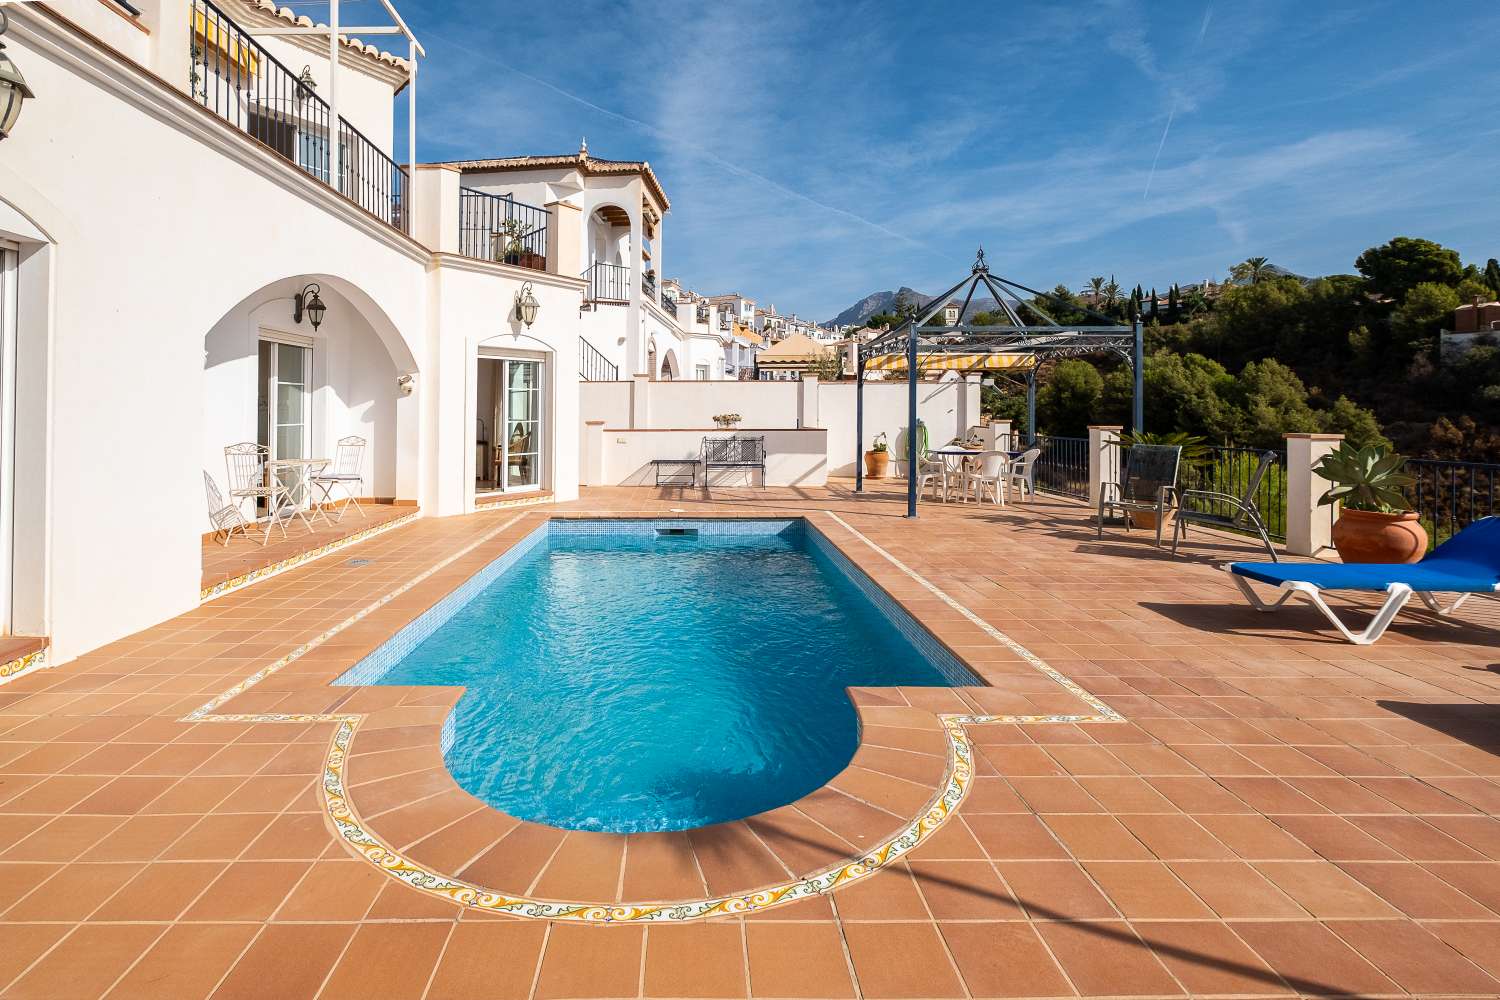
(358, 562)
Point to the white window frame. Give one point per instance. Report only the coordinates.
(10, 270)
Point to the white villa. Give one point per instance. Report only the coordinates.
(187, 264)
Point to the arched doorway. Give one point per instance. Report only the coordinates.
(296, 391)
(669, 367)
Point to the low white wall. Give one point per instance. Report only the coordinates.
(622, 457)
(948, 409)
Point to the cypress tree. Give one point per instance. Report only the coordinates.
(1172, 304)
(1492, 275)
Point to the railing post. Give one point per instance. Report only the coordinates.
(1104, 459)
(436, 225)
(1309, 527)
(564, 238)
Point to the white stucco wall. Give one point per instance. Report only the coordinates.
(793, 457)
(948, 409)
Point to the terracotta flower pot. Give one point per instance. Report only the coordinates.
(1364, 536)
(876, 463)
(1147, 519)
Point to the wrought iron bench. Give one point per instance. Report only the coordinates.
(748, 453)
(676, 471)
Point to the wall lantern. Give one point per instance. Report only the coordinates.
(13, 89)
(406, 383)
(526, 305)
(309, 302)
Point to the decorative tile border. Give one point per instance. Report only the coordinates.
(368, 845)
(290, 562)
(23, 665)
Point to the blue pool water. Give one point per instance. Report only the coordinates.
(624, 679)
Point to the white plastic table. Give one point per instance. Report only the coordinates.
(953, 457)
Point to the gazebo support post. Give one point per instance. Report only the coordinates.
(1138, 387)
(859, 422)
(911, 419)
(1031, 407)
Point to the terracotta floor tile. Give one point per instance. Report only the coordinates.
(1092, 838)
(86, 962)
(292, 836)
(24, 944)
(1415, 839)
(513, 863)
(890, 894)
(73, 893)
(1107, 959)
(1235, 890)
(901, 960)
(591, 962)
(1417, 960)
(1174, 837)
(391, 961)
(1055, 890)
(1417, 892)
(1324, 890)
(489, 960)
(63, 839)
(248, 890)
(732, 858)
(1481, 881)
(696, 960)
(217, 837)
(585, 867)
(1004, 960)
(160, 891)
(1479, 942)
(210, 949)
(140, 838)
(1256, 838)
(1008, 836)
(1126, 793)
(1207, 958)
(1312, 959)
(1336, 839)
(263, 970)
(964, 890)
(797, 960)
(660, 866)
(1146, 890)
(333, 890)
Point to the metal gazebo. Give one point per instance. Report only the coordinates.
(1016, 346)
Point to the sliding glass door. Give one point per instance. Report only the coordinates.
(523, 425)
(8, 298)
(283, 403)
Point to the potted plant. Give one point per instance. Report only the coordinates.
(877, 458)
(727, 421)
(512, 246)
(1194, 457)
(1376, 525)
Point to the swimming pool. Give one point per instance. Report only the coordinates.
(631, 675)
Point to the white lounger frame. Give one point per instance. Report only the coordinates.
(1398, 595)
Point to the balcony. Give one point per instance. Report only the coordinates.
(238, 80)
(608, 283)
(669, 302)
(499, 228)
(648, 284)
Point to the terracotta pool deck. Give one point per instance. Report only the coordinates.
(1274, 812)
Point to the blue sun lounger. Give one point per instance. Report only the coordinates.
(1468, 563)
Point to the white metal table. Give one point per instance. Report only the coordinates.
(296, 474)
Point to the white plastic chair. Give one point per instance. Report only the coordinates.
(248, 480)
(223, 515)
(989, 476)
(1021, 474)
(348, 461)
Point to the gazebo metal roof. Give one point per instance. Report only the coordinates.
(1016, 345)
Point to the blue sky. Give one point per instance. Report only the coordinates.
(816, 152)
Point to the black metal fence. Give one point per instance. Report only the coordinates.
(499, 228)
(1228, 469)
(236, 78)
(594, 366)
(1448, 496)
(669, 302)
(608, 282)
(1063, 465)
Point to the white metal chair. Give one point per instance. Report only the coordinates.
(223, 515)
(348, 463)
(1021, 476)
(249, 480)
(989, 475)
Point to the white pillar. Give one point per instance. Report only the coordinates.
(807, 402)
(640, 401)
(996, 435)
(973, 385)
(1104, 459)
(435, 222)
(592, 464)
(1309, 527)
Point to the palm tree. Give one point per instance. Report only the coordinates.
(1251, 271)
(1096, 290)
(1112, 293)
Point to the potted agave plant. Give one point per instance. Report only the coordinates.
(1376, 525)
(877, 458)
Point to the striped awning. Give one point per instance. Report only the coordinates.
(953, 362)
(221, 48)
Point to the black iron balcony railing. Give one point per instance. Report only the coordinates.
(608, 282)
(237, 79)
(648, 285)
(669, 302)
(1449, 496)
(499, 228)
(594, 366)
(1063, 465)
